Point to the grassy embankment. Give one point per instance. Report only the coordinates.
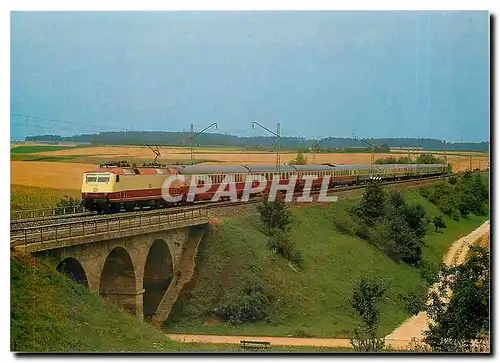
(313, 301)
(51, 313)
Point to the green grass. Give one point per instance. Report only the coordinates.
(51, 313)
(314, 300)
(92, 159)
(29, 149)
(27, 197)
(52, 158)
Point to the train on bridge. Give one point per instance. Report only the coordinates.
(114, 187)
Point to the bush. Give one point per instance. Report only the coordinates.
(428, 273)
(366, 295)
(407, 245)
(372, 205)
(417, 219)
(67, 205)
(247, 304)
(444, 196)
(457, 323)
(299, 159)
(275, 214)
(281, 244)
(415, 300)
(438, 222)
(429, 159)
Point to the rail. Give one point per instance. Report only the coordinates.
(61, 231)
(45, 212)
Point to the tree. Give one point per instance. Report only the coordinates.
(397, 200)
(372, 205)
(366, 295)
(248, 303)
(438, 222)
(406, 245)
(275, 214)
(416, 216)
(428, 159)
(457, 322)
(299, 159)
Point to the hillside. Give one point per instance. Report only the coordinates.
(312, 301)
(50, 313)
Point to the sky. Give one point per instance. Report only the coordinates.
(374, 74)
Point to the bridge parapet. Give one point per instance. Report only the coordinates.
(42, 238)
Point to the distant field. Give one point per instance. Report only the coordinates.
(94, 155)
(26, 149)
(48, 175)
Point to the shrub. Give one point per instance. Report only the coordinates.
(366, 295)
(406, 243)
(458, 322)
(429, 159)
(444, 196)
(397, 200)
(281, 244)
(250, 303)
(299, 159)
(372, 205)
(415, 300)
(427, 272)
(275, 214)
(438, 222)
(417, 219)
(67, 205)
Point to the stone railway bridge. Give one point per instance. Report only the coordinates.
(139, 263)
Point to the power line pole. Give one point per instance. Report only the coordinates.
(372, 149)
(191, 142)
(317, 144)
(277, 143)
(192, 136)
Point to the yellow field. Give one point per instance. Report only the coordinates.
(66, 175)
(48, 174)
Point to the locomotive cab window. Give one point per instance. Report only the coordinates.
(103, 178)
(90, 178)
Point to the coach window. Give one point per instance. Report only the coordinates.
(117, 178)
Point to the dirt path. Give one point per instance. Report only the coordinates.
(226, 339)
(417, 324)
(400, 338)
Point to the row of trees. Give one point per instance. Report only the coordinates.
(337, 144)
(459, 196)
(391, 224)
(424, 158)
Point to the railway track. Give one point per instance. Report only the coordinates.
(46, 221)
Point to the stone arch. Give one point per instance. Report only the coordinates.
(72, 268)
(158, 273)
(118, 283)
